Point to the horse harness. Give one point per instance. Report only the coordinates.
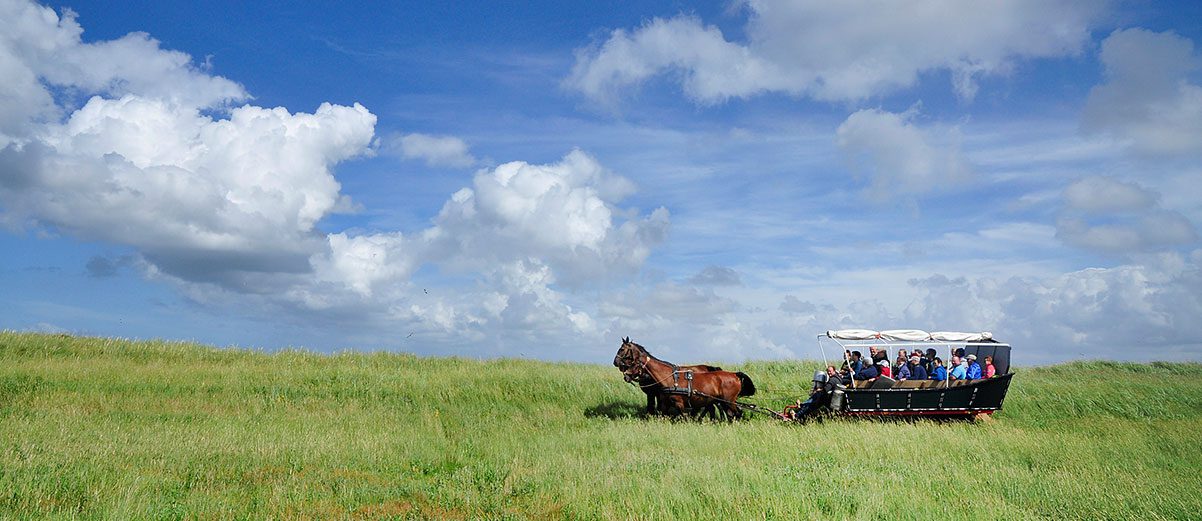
(677, 373)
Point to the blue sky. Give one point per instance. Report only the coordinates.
(719, 182)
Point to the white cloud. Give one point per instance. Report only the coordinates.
(362, 262)
(201, 198)
(562, 213)
(521, 232)
(434, 150)
(1148, 99)
(836, 50)
(899, 157)
(38, 48)
(114, 141)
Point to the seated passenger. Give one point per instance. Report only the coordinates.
(900, 361)
(839, 377)
(883, 367)
(857, 361)
(974, 369)
(868, 372)
(959, 369)
(938, 372)
(902, 371)
(917, 371)
(928, 362)
(990, 370)
(878, 354)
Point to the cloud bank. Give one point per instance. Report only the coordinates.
(835, 51)
(127, 143)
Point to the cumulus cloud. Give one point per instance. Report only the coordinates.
(1108, 215)
(899, 157)
(523, 232)
(201, 198)
(122, 148)
(562, 213)
(434, 150)
(1148, 99)
(835, 51)
(40, 49)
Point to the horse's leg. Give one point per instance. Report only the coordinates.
(669, 407)
(651, 410)
(701, 409)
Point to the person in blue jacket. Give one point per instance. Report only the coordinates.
(917, 371)
(868, 372)
(974, 369)
(857, 361)
(938, 372)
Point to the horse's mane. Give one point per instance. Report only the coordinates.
(647, 353)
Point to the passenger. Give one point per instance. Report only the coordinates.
(857, 362)
(867, 372)
(959, 369)
(974, 369)
(883, 367)
(900, 361)
(878, 354)
(902, 371)
(917, 371)
(938, 373)
(928, 362)
(990, 370)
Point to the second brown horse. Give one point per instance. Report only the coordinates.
(709, 386)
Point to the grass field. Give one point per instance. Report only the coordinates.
(102, 428)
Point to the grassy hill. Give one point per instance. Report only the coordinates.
(104, 428)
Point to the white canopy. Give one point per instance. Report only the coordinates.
(908, 335)
(853, 334)
(952, 336)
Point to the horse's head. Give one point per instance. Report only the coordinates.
(627, 358)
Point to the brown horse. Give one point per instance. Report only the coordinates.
(629, 355)
(679, 394)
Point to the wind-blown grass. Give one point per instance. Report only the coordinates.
(105, 428)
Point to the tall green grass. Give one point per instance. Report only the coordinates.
(94, 428)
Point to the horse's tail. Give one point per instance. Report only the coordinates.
(712, 368)
(748, 388)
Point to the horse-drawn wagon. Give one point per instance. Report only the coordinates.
(886, 396)
(689, 390)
